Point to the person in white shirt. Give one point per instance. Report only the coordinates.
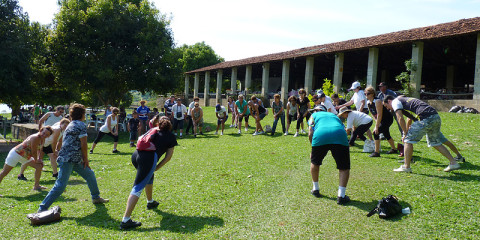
(358, 99)
(178, 111)
(222, 116)
(362, 123)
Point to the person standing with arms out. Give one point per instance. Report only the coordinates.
(133, 128)
(146, 163)
(292, 110)
(242, 109)
(179, 111)
(358, 99)
(383, 121)
(168, 107)
(143, 112)
(222, 115)
(302, 110)
(326, 133)
(73, 156)
(429, 125)
(110, 128)
(278, 113)
(27, 154)
(191, 106)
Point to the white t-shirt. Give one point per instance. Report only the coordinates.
(49, 140)
(222, 112)
(113, 123)
(329, 105)
(176, 110)
(357, 99)
(396, 104)
(356, 118)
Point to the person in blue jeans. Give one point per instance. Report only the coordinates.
(73, 157)
(278, 113)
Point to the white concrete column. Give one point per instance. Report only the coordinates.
(265, 79)
(187, 86)
(476, 81)
(218, 94)
(233, 83)
(372, 69)
(195, 84)
(416, 75)
(338, 72)
(309, 74)
(248, 79)
(450, 77)
(206, 96)
(285, 80)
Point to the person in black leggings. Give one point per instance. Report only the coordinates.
(146, 163)
(302, 111)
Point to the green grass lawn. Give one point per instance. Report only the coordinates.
(256, 187)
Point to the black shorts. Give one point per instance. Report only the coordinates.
(219, 120)
(47, 150)
(340, 153)
(241, 118)
(292, 117)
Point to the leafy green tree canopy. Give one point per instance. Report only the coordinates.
(197, 56)
(105, 48)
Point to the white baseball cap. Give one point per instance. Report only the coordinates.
(355, 85)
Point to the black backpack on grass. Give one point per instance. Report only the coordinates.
(387, 207)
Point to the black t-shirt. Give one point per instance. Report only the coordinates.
(387, 117)
(134, 122)
(302, 105)
(164, 140)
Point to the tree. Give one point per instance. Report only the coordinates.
(105, 48)
(15, 55)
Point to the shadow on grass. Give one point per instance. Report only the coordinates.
(39, 196)
(184, 224)
(456, 176)
(99, 219)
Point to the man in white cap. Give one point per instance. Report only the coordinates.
(358, 99)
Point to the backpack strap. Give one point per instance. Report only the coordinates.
(372, 212)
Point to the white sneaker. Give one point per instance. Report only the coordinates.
(286, 133)
(262, 132)
(239, 131)
(255, 133)
(221, 134)
(246, 129)
(403, 169)
(303, 131)
(452, 167)
(231, 125)
(216, 132)
(296, 134)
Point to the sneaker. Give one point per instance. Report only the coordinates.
(246, 129)
(285, 134)
(316, 193)
(115, 151)
(261, 132)
(231, 125)
(343, 200)
(392, 151)
(452, 167)
(152, 205)
(216, 133)
(296, 135)
(55, 175)
(459, 159)
(99, 200)
(374, 154)
(403, 169)
(255, 133)
(91, 151)
(239, 131)
(21, 177)
(130, 224)
(403, 161)
(221, 134)
(303, 131)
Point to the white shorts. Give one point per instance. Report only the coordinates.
(13, 158)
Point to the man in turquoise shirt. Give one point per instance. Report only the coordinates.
(327, 133)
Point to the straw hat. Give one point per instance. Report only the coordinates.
(343, 110)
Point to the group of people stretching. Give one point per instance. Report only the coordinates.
(65, 139)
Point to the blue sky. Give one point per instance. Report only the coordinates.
(241, 29)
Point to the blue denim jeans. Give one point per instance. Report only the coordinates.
(66, 169)
(282, 119)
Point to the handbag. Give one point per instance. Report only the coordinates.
(387, 207)
(44, 217)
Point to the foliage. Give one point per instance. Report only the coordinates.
(106, 48)
(215, 188)
(16, 52)
(327, 87)
(405, 77)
